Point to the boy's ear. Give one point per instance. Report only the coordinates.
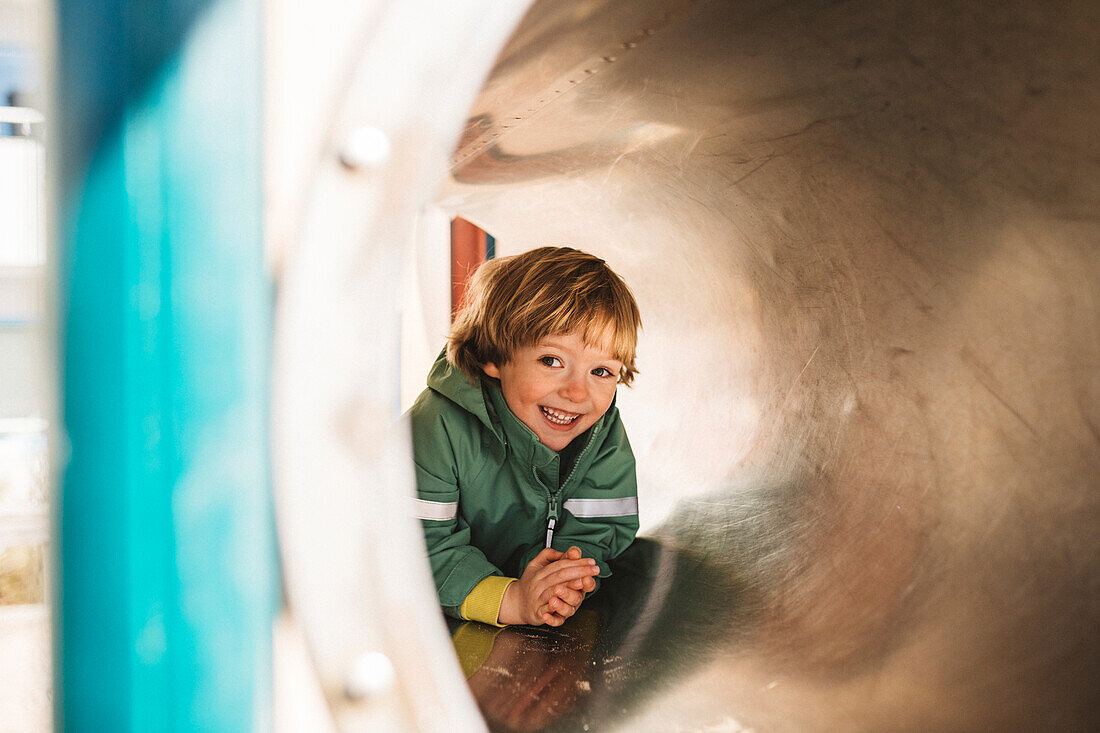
(491, 370)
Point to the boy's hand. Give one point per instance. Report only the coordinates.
(567, 598)
(528, 600)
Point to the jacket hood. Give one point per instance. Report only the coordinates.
(449, 381)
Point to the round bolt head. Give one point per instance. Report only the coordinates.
(371, 674)
(365, 147)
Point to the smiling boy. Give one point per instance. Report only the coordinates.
(526, 482)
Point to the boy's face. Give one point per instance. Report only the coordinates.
(559, 387)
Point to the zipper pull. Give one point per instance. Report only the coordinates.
(552, 520)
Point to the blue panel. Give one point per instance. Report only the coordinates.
(167, 560)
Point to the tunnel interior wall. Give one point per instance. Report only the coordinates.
(864, 241)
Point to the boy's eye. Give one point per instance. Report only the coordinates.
(550, 361)
(603, 372)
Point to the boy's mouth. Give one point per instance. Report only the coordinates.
(558, 417)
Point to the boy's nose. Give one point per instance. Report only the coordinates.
(575, 389)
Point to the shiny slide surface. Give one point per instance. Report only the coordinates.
(864, 237)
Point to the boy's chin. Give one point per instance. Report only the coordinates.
(558, 441)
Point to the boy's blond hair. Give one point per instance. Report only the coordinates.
(513, 302)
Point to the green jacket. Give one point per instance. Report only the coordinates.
(489, 493)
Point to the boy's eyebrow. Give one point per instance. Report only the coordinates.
(553, 343)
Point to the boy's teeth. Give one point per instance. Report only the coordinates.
(561, 418)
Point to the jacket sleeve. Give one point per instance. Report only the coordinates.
(601, 515)
(457, 566)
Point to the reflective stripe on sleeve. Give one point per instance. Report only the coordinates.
(438, 510)
(585, 508)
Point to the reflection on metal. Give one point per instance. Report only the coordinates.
(865, 244)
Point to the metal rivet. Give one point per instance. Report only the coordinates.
(365, 147)
(371, 674)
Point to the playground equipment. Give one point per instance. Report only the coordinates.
(864, 240)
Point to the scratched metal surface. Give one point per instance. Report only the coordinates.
(865, 240)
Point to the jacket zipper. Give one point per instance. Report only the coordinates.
(552, 520)
(553, 498)
(576, 463)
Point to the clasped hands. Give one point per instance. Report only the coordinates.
(550, 590)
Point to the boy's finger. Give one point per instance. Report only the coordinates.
(563, 560)
(573, 553)
(563, 607)
(588, 584)
(547, 605)
(568, 595)
(559, 565)
(545, 586)
(563, 576)
(549, 616)
(574, 568)
(546, 557)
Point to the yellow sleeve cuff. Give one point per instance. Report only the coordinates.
(483, 603)
(473, 643)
